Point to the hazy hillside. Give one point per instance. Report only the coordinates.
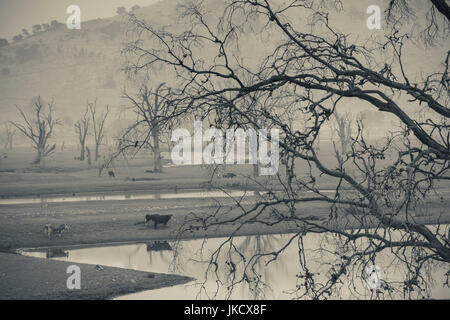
(72, 66)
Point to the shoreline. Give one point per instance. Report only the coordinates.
(112, 223)
(30, 278)
(114, 282)
(194, 236)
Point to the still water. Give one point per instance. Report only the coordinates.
(142, 196)
(126, 197)
(191, 258)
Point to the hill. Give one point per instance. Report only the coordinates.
(73, 66)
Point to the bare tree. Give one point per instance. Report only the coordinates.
(436, 26)
(98, 126)
(82, 129)
(150, 107)
(343, 127)
(89, 156)
(8, 133)
(311, 72)
(38, 128)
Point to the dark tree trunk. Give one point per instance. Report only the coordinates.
(83, 149)
(100, 169)
(38, 158)
(156, 150)
(89, 156)
(255, 170)
(97, 154)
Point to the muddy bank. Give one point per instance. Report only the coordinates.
(34, 278)
(21, 226)
(98, 222)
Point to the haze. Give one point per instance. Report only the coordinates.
(18, 14)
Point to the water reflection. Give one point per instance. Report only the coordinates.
(219, 272)
(127, 197)
(143, 196)
(56, 253)
(158, 246)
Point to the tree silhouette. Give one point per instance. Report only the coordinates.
(38, 128)
(98, 124)
(82, 129)
(310, 72)
(150, 107)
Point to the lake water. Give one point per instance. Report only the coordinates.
(191, 258)
(125, 197)
(142, 196)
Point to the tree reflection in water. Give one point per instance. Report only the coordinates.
(272, 267)
(289, 266)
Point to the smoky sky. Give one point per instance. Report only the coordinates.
(18, 14)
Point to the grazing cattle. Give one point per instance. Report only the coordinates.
(229, 175)
(111, 174)
(158, 219)
(49, 230)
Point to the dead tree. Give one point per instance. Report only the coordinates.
(82, 129)
(38, 128)
(150, 108)
(9, 134)
(435, 27)
(343, 128)
(89, 156)
(98, 124)
(312, 70)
